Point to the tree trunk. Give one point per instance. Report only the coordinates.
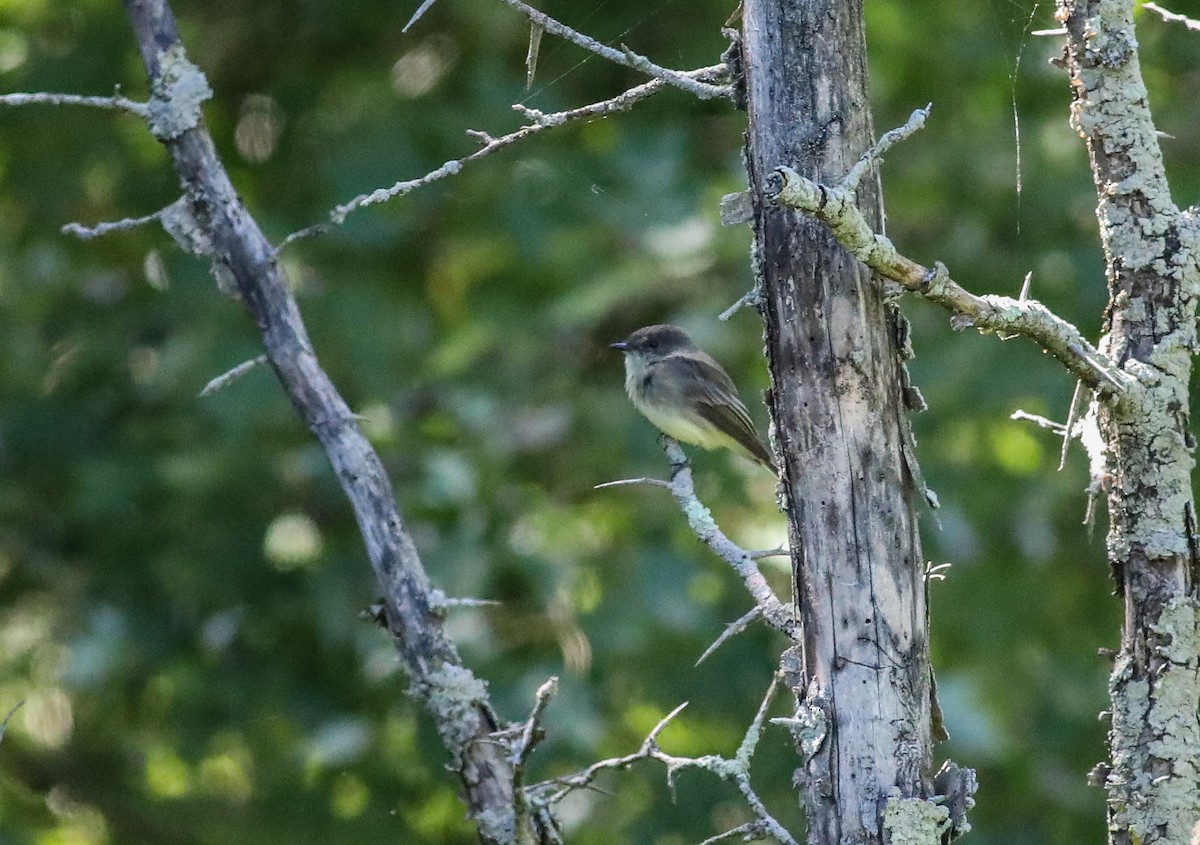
(1142, 454)
(837, 398)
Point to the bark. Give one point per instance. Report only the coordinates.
(834, 348)
(221, 228)
(1142, 455)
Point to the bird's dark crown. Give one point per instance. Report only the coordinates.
(660, 340)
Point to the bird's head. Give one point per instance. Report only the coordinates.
(653, 342)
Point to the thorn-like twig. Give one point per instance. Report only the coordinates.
(1172, 17)
(1038, 420)
(531, 57)
(439, 602)
(8, 718)
(626, 482)
(1072, 418)
(754, 732)
(229, 377)
(731, 631)
(748, 832)
(113, 103)
(749, 298)
(416, 16)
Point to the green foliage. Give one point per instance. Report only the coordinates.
(180, 578)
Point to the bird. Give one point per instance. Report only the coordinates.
(686, 394)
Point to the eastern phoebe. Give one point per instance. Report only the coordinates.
(686, 394)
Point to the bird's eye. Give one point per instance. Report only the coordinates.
(652, 344)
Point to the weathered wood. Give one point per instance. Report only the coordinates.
(1142, 455)
(841, 427)
(231, 238)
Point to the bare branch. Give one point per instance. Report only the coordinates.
(531, 57)
(1069, 429)
(8, 718)
(731, 631)
(624, 56)
(748, 833)
(1170, 17)
(890, 138)
(835, 207)
(750, 298)
(750, 740)
(457, 701)
(113, 103)
(229, 377)
(628, 482)
(703, 525)
(416, 16)
(1038, 420)
(540, 121)
(87, 233)
(531, 732)
(552, 791)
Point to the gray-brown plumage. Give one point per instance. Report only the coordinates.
(686, 394)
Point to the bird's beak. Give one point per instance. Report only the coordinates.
(620, 346)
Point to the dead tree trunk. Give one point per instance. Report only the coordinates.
(837, 398)
(1142, 451)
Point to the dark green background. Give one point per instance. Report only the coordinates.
(190, 680)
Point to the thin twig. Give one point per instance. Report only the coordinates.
(731, 631)
(1038, 420)
(706, 529)
(8, 718)
(531, 57)
(1072, 417)
(624, 56)
(529, 734)
(416, 16)
(552, 791)
(762, 553)
(1172, 17)
(750, 741)
(627, 482)
(894, 136)
(113, 103)
(749, 298)
(87, 233)
(229, 377)
(539, 122)
(748, 833)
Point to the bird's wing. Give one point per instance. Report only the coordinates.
(716, 399)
